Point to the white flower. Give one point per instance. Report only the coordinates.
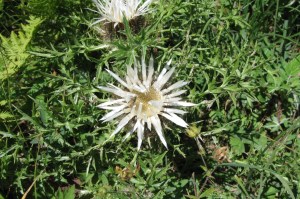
(115, 10)
(145, 100)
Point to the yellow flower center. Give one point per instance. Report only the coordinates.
(148, 99)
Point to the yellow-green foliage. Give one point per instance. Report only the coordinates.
(15, 47)
(1, 5)
(3, 114)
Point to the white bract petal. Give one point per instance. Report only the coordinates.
(173, 110)
(176, 99)
(140, 133)
(114, 10)
(175, 119)
(115, 111)
(142, 99)
(175, 94)
(112, 102)
(157, 125)
(117, 91)
(150, 72)
(149, 123)
(166, 77)
(132, 130)
(122, 123)
(180, 104)
(174, 86)
(117, 78)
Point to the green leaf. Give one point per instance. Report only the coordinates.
(208, 192)
(261, 142)
(3, 102)
(293, 67)
(70, 193)
(66, 194)
(44, 114)
(237, 145)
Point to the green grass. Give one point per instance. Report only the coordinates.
(241, 59)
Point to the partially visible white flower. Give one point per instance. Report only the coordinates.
(114, 10)
(144, 100)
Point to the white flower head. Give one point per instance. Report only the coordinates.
(114, 10)
(144, 100)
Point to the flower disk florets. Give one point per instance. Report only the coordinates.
(144, 100)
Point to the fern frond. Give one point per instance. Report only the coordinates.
(15, 47)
